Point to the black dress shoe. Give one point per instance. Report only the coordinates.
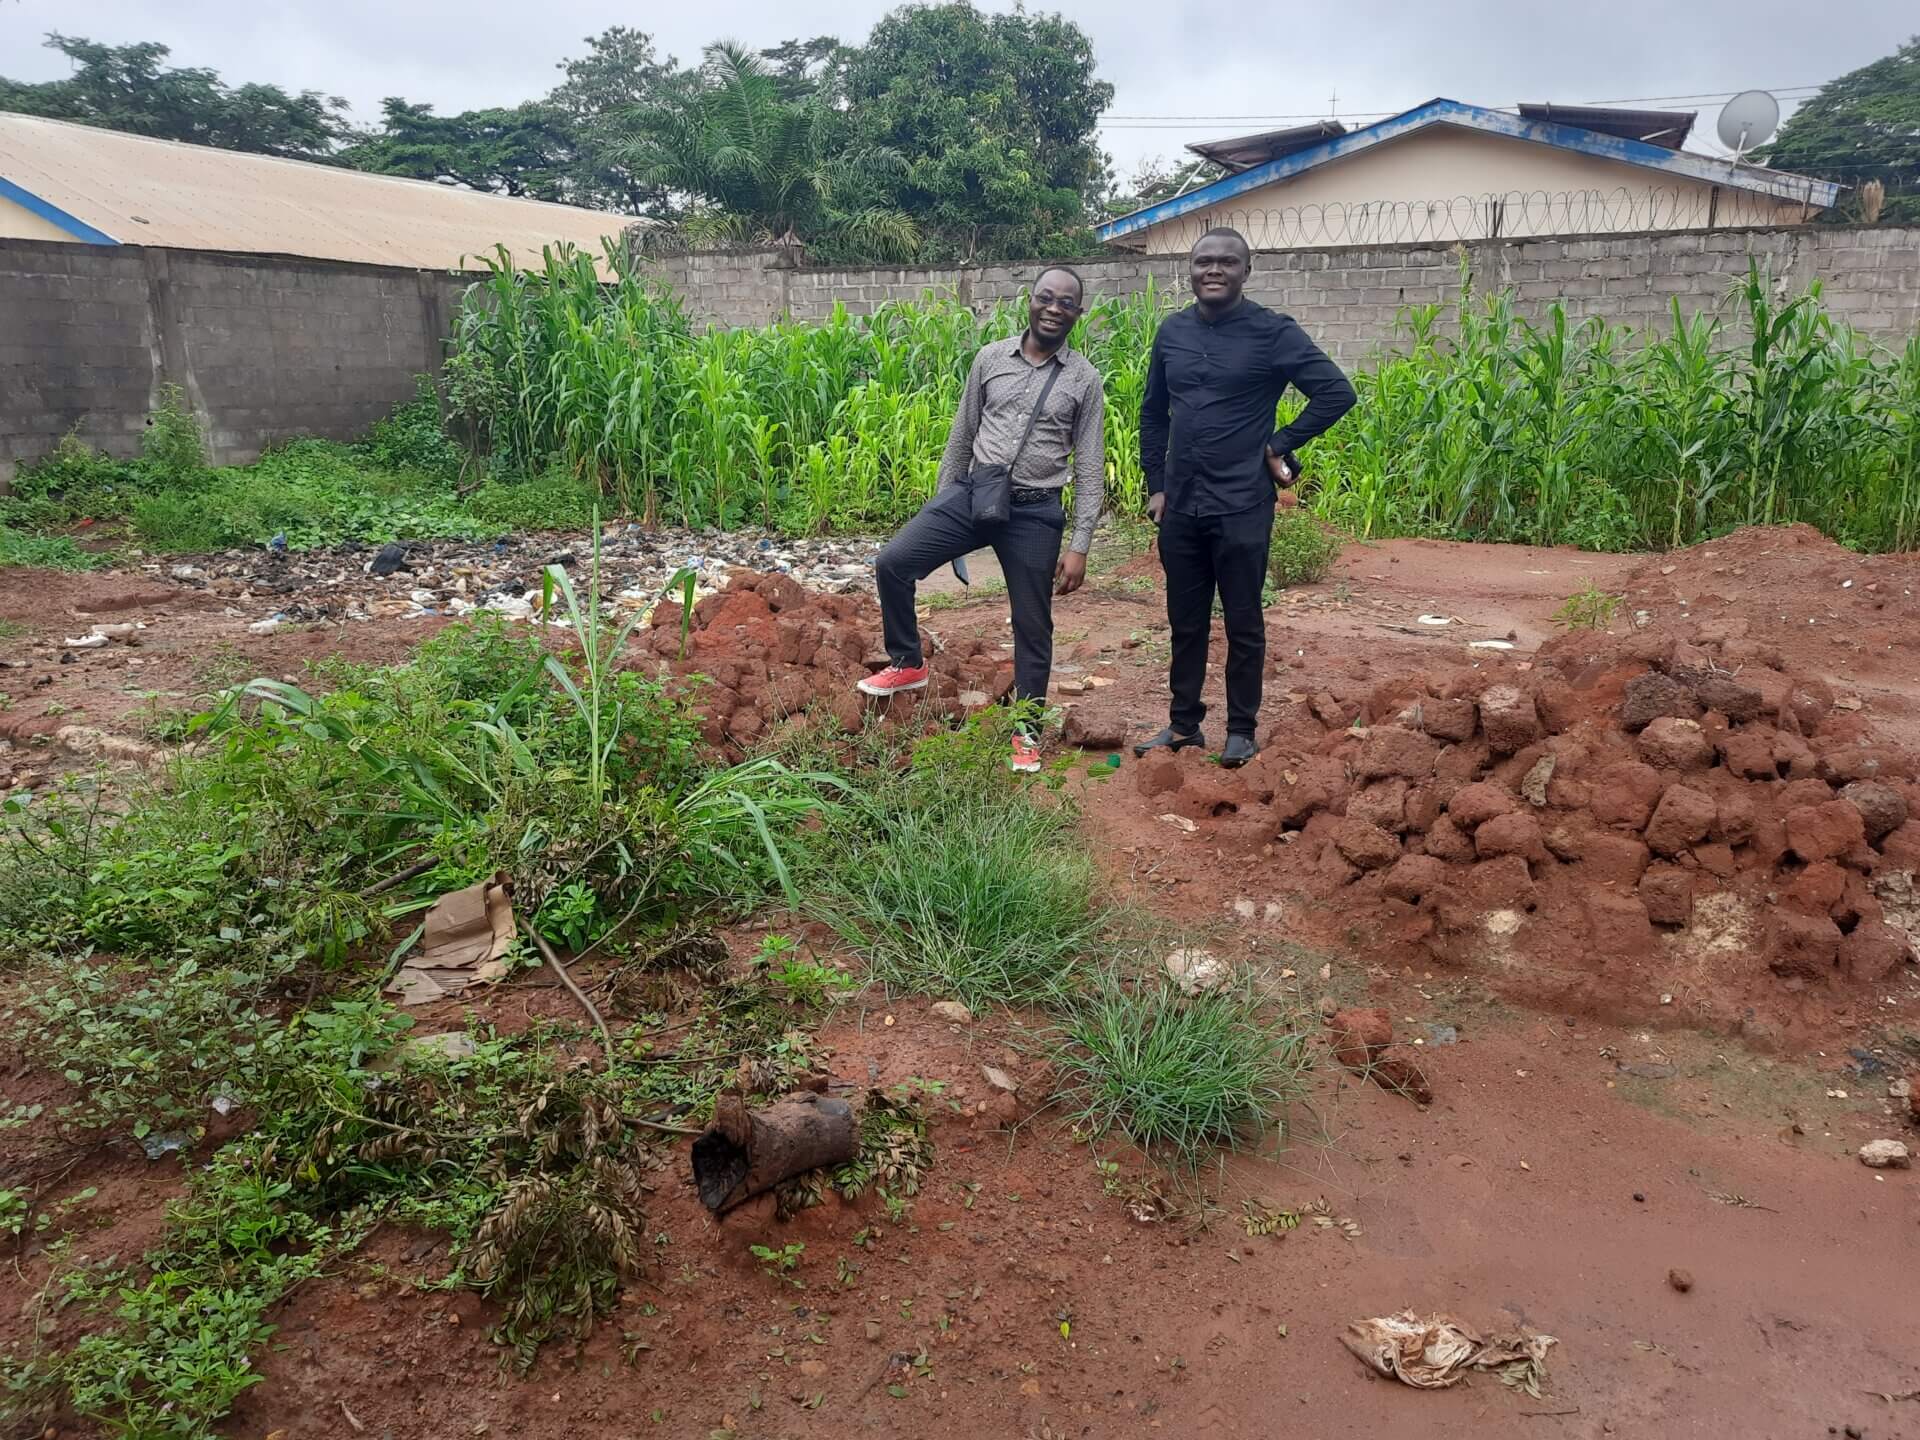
(1170, 739)
(1238, 751)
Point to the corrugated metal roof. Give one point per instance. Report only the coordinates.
(1242, 152)
(107, 187)
(1666, 128)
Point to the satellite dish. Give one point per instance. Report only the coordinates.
(1747, 120)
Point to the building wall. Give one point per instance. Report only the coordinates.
(266, 350)
(263, 350)
(19, 223)
(1440, 184)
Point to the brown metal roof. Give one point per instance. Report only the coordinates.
(1243, 152)
(140, 191)
(1668, 128)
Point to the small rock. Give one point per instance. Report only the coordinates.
(1360, 1035)
(999, 1079)
(1885, 1155)
(1196, 970)
(1681, 1280)
(1245, 909)
(873, 1329)
(952, 1011)
(1899, 1089)
(1533, 788)
(1508, 717)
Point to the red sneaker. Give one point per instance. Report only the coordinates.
(1026, 755)
(895, 680)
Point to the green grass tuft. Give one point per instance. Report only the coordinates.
(1175, 1074)
(985, 902)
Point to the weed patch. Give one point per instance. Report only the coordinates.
(1303, 550)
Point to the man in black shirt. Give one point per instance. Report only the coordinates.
(1218, 371)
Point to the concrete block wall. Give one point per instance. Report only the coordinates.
(1351, 297)
(263, 348)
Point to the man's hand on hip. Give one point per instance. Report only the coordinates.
(1071, 573)
(1283, 473)
(1156, 506)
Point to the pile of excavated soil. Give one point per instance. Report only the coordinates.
(1669, 811)
(765, 650)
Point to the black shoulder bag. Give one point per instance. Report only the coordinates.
(991, 486)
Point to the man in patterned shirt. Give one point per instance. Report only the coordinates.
(1008, 380)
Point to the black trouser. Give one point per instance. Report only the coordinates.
(1028, 547)
(1202, 553)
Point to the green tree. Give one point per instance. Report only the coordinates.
(1864, 126)
(993, 118)
(527, 151)
(620, 74)
(130, 88)
(758, 167)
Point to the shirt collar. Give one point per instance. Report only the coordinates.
(1017, 344)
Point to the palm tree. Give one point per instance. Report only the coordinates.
(763, 168)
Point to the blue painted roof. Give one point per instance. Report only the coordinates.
(1677, 163)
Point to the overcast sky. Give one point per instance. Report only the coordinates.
(1164, 60)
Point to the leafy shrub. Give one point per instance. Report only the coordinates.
(1173, 1072)
(412, 437)
(172, 451)
(1303, 550)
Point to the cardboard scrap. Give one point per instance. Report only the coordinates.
(467, 932)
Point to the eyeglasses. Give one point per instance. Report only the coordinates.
(1046, 299)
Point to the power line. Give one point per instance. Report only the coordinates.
(1128, 121)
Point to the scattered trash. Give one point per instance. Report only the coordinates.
(447, 1045)
(158, 1143)
(86, 642)
(461, 943)
(223, 1105)
(1436, 620)
(1490, 645)
(1442, 1035)
(1438, 1351)
(1196, 970)
(125, 631)
(266, 626)
(392, 557)
(747, 1151)
(1885, 1155)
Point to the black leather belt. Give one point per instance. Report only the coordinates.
(1033, 494)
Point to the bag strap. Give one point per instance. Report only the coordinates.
(1053, 373)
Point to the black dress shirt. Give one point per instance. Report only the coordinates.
(1219, 382)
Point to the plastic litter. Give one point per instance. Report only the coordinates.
(1438, 1351)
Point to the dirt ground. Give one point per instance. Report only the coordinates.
(1593, 1127)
